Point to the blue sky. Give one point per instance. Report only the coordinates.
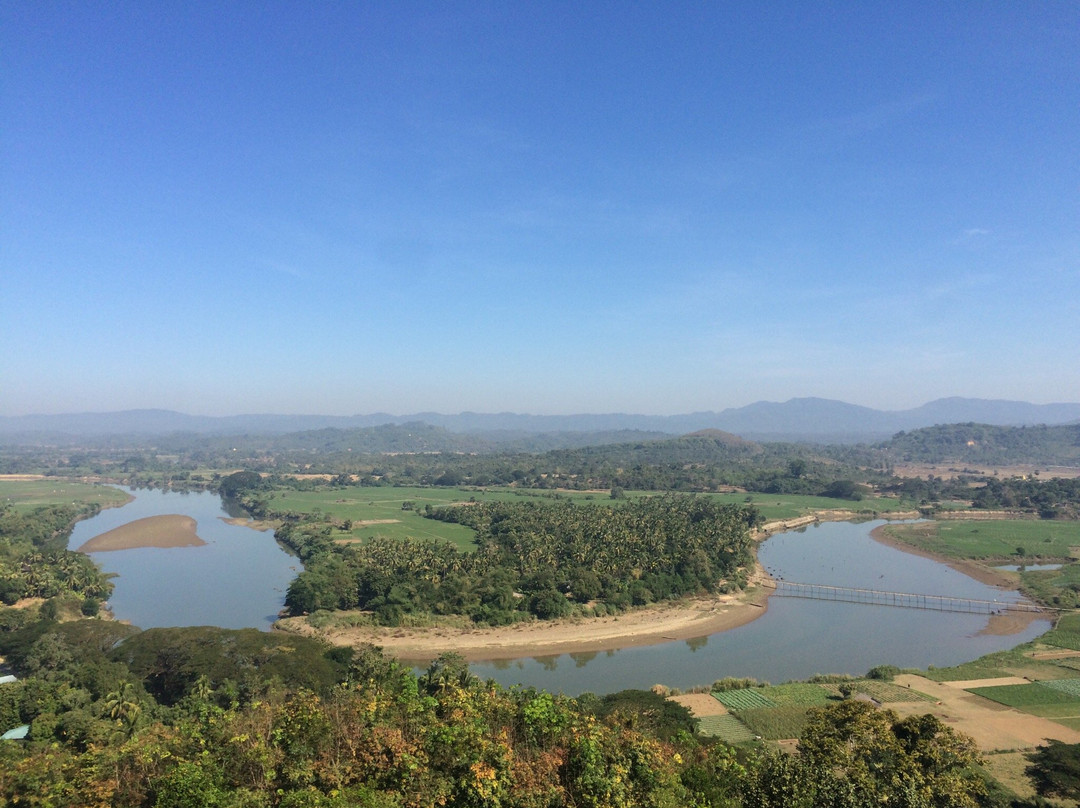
(541, 207)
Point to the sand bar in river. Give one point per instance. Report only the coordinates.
(170, 530)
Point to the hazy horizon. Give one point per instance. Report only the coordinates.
(523, 413)
(545, 208)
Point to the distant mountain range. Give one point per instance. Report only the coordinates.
(800, 419)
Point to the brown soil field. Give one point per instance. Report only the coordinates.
(171, 530)
(700, 705)
(993, 726)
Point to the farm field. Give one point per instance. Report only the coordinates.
(378, 510)
(778, 712)
(992, 538)
(790, 506)
(27, 494)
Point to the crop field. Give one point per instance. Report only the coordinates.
(1068, 686)
(1066, 634)
(746, 699)
(993, 538)
(727, 728)
(27, 494)
(776, 723)
(790, 506)
(1027, 696)
(798, 694)
(884, 692)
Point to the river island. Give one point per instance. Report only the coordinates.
(167, 530)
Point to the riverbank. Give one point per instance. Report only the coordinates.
(169, 530)
(652, 625)
(973, 569)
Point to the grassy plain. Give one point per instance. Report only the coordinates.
(989, 539)
(378, 511)
(25, 495)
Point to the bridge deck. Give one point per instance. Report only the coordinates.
(941, 603)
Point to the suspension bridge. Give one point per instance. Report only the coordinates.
(908, 600)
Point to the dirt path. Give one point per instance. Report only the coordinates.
(993, 726)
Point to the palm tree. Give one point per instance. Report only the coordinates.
(123, 707)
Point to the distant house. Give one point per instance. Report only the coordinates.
(17, 734)
(8, 678)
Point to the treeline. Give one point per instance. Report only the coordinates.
(988, 445)
(179, 718)
(35, 561)
(412, 455)
(1051, 499)
(531, 559)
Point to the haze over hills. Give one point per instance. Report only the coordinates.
(799, 419)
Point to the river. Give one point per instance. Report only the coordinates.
(239, 578)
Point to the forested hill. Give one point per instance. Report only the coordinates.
(989, 445)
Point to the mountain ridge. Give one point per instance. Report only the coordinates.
(798, 419)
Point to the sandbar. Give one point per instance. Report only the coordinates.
(170, 530)
(685, 620)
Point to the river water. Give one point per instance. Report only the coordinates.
(239, 578)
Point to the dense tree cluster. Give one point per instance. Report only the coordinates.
(533, 559)
(35, 561)
(179, 718)
(987, 444)
(1049, 498)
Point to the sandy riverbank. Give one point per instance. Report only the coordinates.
(170, 530)
(698, 617)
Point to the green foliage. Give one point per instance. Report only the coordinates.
(170, 661)
(983, 444)
(1055, 770)
(884, 673)
(552, 554)
(35, 561)
(648, 712)
(241, 483)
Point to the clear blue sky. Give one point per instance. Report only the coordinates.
(540, 207)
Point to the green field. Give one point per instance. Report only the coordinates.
(27, 494)
(746, 699)
(799, 694)
(1024, 697)
(727, 728)
(776, 723)
(992, 538)
(381, 507)
(884, 692)
(1068, 686)
(791, 506)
